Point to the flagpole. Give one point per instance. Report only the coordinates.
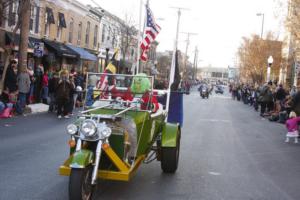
(172, 70)
(139, 39)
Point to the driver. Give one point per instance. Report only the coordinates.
(141, 88)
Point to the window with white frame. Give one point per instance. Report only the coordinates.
(47, 25)
(12, 13)
(79, 33)
(87, 34)
(59, 30)
(71, 29)
(95, 36)
(103, 33)
(32, 19)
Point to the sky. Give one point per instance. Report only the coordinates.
(219, 24)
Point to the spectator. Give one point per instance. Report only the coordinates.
(293, 91)
(53, 83)
(280, 93)
(24, 88)
(30, 95)
(63, 94)
(265, 98)
(10, 83)
(73, 96)
(45, 91)
(296, 103)
(38, 82)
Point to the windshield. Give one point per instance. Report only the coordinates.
(125, 90)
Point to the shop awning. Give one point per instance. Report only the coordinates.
(84, 54)
(61, 49)
(9, 37)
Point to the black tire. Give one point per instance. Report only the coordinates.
(80, 187)
(170, 157)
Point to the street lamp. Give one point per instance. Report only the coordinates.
(262, 24)
(270, 62)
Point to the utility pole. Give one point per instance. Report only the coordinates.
(179, 9)
(186, 51)
(195, 63)
(24, 33)
(262, 23)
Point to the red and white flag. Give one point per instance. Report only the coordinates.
(150, 33)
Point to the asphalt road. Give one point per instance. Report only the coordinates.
(227, 152)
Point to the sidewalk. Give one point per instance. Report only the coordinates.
(38, 108)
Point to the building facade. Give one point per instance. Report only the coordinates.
(213, 74)
(290, 72)
(65, 31)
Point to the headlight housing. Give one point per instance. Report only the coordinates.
(88, 128)
(72, 129)
(104, 131)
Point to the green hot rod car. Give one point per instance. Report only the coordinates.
(123, 125)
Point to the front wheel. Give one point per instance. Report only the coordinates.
(80, 187)
(170, 157)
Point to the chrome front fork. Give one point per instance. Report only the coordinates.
(97, 161)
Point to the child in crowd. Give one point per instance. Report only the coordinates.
(292, 127)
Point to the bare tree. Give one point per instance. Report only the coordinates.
(24, 34)
(293, 18)
(253, 54)
(8, 51)
(128, 36)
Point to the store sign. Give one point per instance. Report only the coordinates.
(38, 49)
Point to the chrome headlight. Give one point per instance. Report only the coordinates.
(88, 128)
(104, 131)
(72, 129)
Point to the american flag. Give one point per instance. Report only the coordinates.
(151, 31)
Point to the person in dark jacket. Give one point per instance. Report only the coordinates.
(280, 93)
(265, 98)
(63, 91)
(38, 82)
(10, 82)
(296, 103)
(71, 104)
(53, 83)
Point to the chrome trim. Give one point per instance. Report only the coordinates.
(86, 111)
(123, 111)
(77, 166)
(78, 145)
(97, 162)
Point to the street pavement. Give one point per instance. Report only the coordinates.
(227, 152)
